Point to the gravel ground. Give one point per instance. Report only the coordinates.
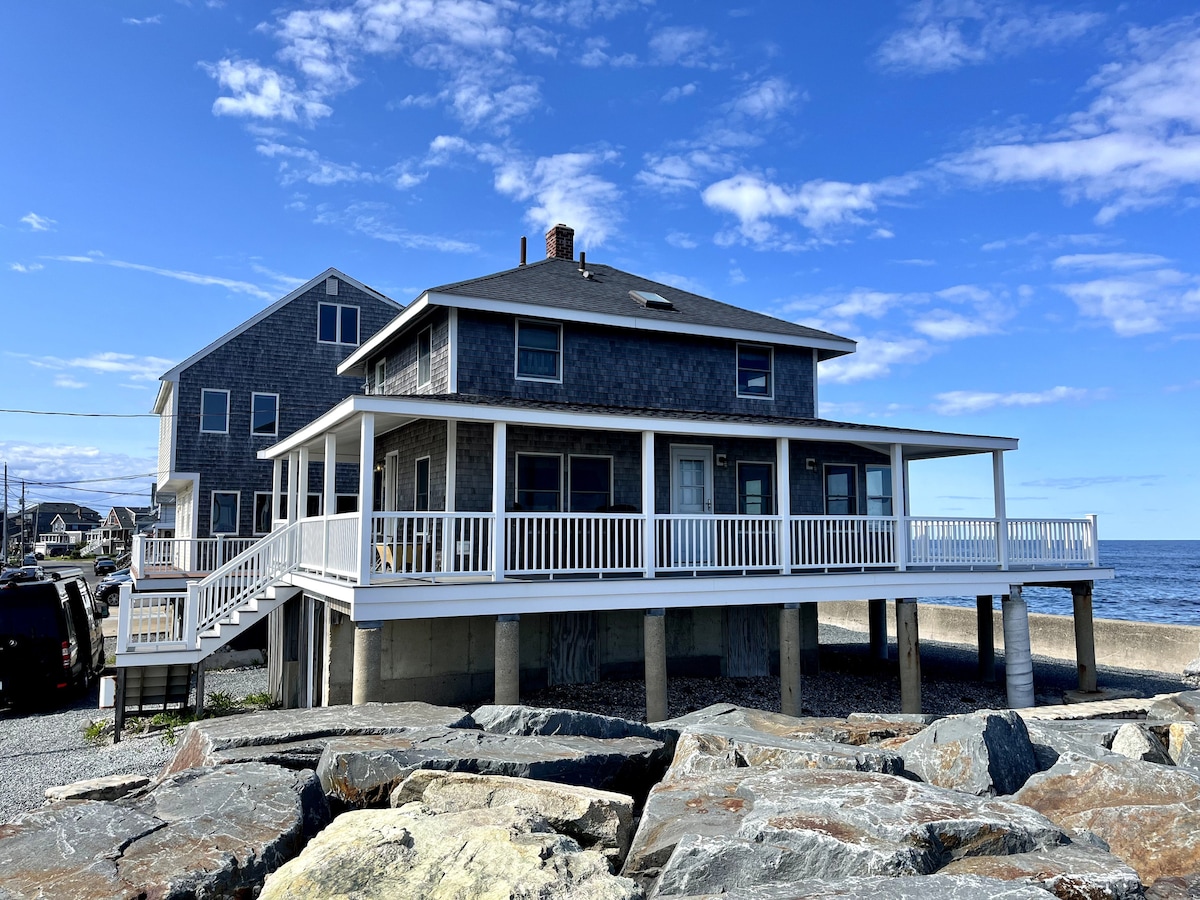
(41, 750)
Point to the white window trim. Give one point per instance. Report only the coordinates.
(558, 379)
(737, 480)
(428, 487)
(825, 485)
(339, 496)
(320, 503)
(339, 306)
(421, 334)
(611, 474)
(770, 394)
(517, 475)
(269, 496)
(380, 375)
(237, 514)
(204, 430)
(274, 433)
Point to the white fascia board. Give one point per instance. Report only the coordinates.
(539, 311)
(314, 429)
(359, 357)
(381, 601)
(173, 374)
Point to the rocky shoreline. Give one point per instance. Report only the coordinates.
(728, 801)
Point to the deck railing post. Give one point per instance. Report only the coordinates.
(139, 555)
(899, 498)
(366, 495)
(1094, 537)
(499, 477)
(649, 538)
(783, 491)
(124, 616)
(191, 615)
(1001, 513)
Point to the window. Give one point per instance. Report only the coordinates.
(337, 324)
(214, 411)
(879, 490)
(539, 351)
(380, 372)
(224, 512)
(421, 500)
(313, 505)
(264, 414)
(841, 490)
(756, 489)
(424, 355)
(347, 503)
(539, 483)
(754, 371)
(262, 512)
(590, 483)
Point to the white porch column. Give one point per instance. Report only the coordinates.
(330, 496)
(451, 460)
(499, 477)
(302, 484)
(366, 496)
(293, 478)
(900, 490)
(648, 539)
(1001, 511)
(276, 489)
(783, 491)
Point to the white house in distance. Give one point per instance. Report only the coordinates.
(569, 472)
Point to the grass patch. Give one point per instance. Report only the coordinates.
(96, 733)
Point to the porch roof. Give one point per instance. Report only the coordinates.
(396, 411)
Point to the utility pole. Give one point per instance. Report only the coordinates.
(21, 552)
(4, 560)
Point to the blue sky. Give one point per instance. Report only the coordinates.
(998, 200)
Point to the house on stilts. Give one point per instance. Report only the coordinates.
(567, 472)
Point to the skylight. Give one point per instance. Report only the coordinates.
(650, 300)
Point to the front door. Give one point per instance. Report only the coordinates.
(691, 495)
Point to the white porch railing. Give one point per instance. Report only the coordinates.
(245, 577)
(573, 543)
(181, 557)
(953, 542)
(151, 619)
(716, 543)
(1051, 542)
(429, 544)
(823, 542)
(329, 546)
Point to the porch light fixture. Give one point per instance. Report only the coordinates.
(722, 459)
(810, 464)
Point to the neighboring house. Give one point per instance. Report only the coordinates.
(45, 522)
(247, 390)
(121, 524)
(620, 466)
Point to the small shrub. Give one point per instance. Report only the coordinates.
(259, 700)
(96, 733)
(221, 703)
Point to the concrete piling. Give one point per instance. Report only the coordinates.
(986, 638)
(908, 649)
(508, 660)
(789, 659)
(655, 632)
(368, 645)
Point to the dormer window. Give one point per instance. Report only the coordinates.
(539, 351)
(754, 363)
(337, 324)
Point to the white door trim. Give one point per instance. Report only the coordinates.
(692, 451)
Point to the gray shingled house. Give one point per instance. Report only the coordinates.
(567, 472)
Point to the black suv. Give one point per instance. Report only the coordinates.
(103, 566)
(51, 643)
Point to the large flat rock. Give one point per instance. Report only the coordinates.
(295, 738)
(985, 753)
(480, 853)
(1181, 707)
(858, 730)
(535, 720)
(929, 887)
(209, 832)
(716, 746)
(738, 827)
(1070, 872)
(362, 771)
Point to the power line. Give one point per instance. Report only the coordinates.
(92, 480)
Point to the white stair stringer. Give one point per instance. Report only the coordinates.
(187, 627)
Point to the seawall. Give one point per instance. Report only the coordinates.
(1128, 645)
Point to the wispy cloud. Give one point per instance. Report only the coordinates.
(953, 313)
(685, 45)
(305, 164)
(1137, 145)
(149, 20)
(66, 381)
(875, 358)
(1087, 481)
(1110, 261)
(38, 223)
(766, 99)
(44, 462)
(371, 220)
(232, 284)
(941, 35)
(1135, 303)
(956, 403)
(679, 92)
(26, 267)
(138, 368)
(258, 92)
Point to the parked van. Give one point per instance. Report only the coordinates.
(51, 643)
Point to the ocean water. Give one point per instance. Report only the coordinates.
(1156, 581)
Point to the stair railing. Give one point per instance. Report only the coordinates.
(240, 580)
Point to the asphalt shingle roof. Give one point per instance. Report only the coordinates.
(558, 284)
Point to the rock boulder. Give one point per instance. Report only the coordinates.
(985, 753)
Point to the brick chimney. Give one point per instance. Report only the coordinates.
(560, 242)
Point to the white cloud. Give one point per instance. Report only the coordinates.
(684, 45)
(942, 35)
(683, 282)
(139, 368)
(369, 219)
(1111, 261)
(942, 325)
(765, 100)
(818, 205)
(1137, 144)
(874, 359)
(304, 164)
(36, 462)
(149, 20)
(682, 241)
(954, 403)
(38, 223)
(565, 188)
(238, 287)
(66, 381)
(915, 262)
(262, 93)
(679, 92)
(1138, 302)
(596, 54)
(26, 268)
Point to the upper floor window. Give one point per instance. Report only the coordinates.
(264, 414)
(224, 512)
(214, 411)
(424, 356)
(337, 324)
(754, 371)
(879, 490)
(539, 351)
